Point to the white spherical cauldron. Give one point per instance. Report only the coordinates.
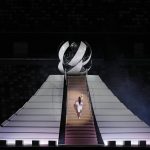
(75, 57)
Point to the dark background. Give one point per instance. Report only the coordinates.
(117, 30)
(113, 28)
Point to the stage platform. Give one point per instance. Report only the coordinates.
(40, 117)
(115, 121)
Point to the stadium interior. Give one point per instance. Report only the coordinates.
(118, 32)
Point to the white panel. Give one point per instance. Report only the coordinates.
(44, 92)
(96, 85)
(104, 98)
(93, 78)
(53, 85)
(121, 124)
(50, 92)
(28, 129)
(101, 92)
(42, 105)
(40, 111)
(117, 118)
(108, 105)
(124, 130)
(32, 124)
(46, 99)
(58, 92)
(55, 78)
(112, 112)
(27, 135)
(127, 135)
(35, 118)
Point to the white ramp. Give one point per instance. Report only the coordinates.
(115, 121)
(39, 118)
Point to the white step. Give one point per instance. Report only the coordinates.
(95, 78)
(35, 118)
(127, 136)
(121, 124)
(29, 136)
(117, 118)
(28, 129)
(109, 105)
(95, 85)
(104, 98)
(43, 105)
(125, 130)
(55, 78)
(32, 124)
(112, 112)
(39, 112)
(100, 92)
(50, 98)
(53, 84)
(48, 92)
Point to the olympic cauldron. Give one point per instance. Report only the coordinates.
(75, 57)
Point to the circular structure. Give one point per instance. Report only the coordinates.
(75, 57)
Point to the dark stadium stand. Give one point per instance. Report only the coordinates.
(72, 16)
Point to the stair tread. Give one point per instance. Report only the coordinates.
(80, 126)
(78, 141)
(80, 136)
(85, 132)
(79, 131)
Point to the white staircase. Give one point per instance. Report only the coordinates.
(115, 121)
(39, 118)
